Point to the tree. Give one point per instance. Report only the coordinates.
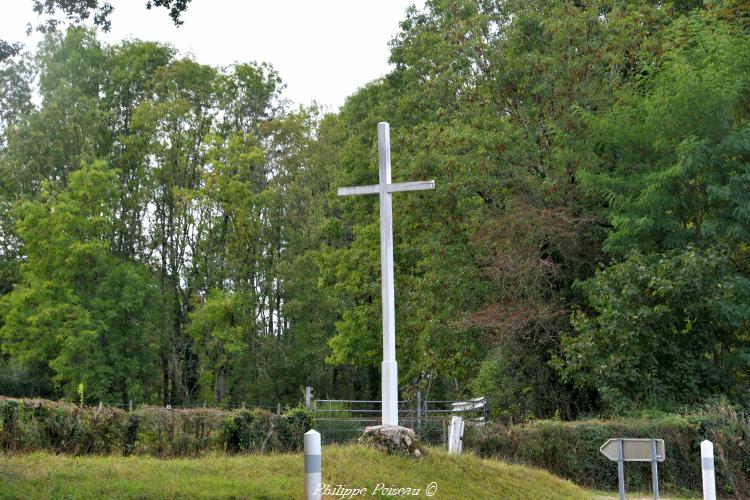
(662, 331)
(666, 325)
(674, 154)
(78, 11)
(80, 313)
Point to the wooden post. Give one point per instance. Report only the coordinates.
(308, 396)
(313, 466)
(243, 405)
(278, 408)
(130, 405)
(707, 468)
(101, 406)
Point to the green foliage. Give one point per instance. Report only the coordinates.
(667, 324)
(667, 329)
(248, 430)
(170, 232)
(675, 152)
(80, 309)
(291, 427)
(39, 424)
(571, 449)
(28, 425)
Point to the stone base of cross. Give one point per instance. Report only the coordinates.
(389, 367)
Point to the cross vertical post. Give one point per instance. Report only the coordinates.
(384, 189)
(389, 367)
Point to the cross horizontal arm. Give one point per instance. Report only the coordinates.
(410, 186)
(352, 190)
(391, 188)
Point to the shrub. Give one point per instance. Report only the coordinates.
(247, 430)
(291, 427)
(35, 424)
(163, 432)
(571, 449)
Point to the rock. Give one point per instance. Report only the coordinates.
(392, 439)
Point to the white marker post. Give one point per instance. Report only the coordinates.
(384, 189)
(313, 466)
(707, 465)
(455, 435)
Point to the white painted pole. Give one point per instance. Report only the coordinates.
(313, 463)
(707, 465)
(308, 396)
(455, 433)
(389, 368)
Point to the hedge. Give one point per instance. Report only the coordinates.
(571, 449)
(38, 424)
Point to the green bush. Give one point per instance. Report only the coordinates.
(34, 424)
(571, 449)
(27, 425)
(247, 430)
(163, 432)
(291, 427)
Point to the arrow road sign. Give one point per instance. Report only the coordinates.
(633, 450)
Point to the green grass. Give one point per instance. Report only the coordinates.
(41, 475)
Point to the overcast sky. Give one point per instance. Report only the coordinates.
(323, 49)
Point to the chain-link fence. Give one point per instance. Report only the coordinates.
(343, 421)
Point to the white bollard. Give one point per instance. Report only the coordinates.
(707, 464)
(455, 433)
(313, 463)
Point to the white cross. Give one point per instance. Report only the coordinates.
(389, 368)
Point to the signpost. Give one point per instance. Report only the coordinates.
(385, 189)
(624, 450)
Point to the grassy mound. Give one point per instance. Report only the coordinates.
(41, 475)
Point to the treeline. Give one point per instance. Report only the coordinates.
(171, 233)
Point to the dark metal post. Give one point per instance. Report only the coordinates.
(621, 468)
(654, 470)
(419, 412)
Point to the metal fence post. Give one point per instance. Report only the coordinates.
(621, 468)
(445, 437)
(419, 412)
(654, 470)
(313, 466)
